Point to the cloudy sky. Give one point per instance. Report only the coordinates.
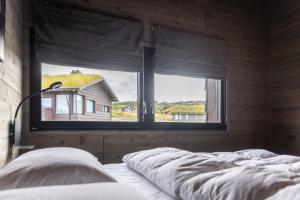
(124, 84)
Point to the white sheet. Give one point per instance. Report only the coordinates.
(92, 191)
(125, 175)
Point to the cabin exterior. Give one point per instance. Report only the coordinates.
(189, 117)
(129, 108)
(92, 102)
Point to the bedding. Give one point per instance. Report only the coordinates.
(168, 168)
(237, 183)
(288, 193)
(248, 174)
(125, 175)
(52, 166)
(91, 191)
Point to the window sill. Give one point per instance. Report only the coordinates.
(125, 126)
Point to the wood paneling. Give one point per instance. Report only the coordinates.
(10, 72)
(91, 143)
(111, 146)
(243, 24)
(101, 98)
(285, 77)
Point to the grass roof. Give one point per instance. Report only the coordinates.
(187, 109)
(75, 80)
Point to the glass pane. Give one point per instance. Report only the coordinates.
(184, 99)
(90, 106)
(62, 104)
(114, 93)
(77, 104)
(46, 103)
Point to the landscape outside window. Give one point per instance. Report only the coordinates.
(179, 99)
(112, 96)
(95, 95)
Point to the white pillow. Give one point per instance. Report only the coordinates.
(52, 166)
(92, 191)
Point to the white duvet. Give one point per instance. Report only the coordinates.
(249, 174)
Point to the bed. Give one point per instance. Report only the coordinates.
(159, 174)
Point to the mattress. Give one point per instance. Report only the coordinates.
(124, 175)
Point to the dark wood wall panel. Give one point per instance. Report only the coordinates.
(243, 24)
(10, 73)
(109, 146)
(285, 77)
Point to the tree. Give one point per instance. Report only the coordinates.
(75, 71)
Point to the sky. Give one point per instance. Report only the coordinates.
(124, 84)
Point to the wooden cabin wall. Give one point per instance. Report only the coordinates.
(243, 24)
(284, 69)
(10, 72)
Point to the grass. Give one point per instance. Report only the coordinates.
(123, 116)
(69, 80)
(163, 113)
(181, 108)
(159, 117)
(132, 116)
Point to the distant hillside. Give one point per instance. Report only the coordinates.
(117, 106)
(183, 107)
(74, 80)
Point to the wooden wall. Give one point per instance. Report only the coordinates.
(99, 95)
(10, 72)
(284, 69)
(243, 24)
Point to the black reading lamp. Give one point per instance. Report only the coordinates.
(53, 86)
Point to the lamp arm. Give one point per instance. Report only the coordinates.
(26, 98)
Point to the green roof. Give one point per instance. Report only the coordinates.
(76, 80)
(188, 113)
(187, 109)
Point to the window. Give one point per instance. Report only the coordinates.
(77, 104)
(62, 104)
(111, 91)
(90, 106)
(46, 102)
(186, 102)
(179, 83)
(186, 99)
(106, 109)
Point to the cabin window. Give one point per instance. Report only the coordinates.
(177, 81)
(77, 104)
(62, 104)
(46, 103)
(90, 106)
(106, 109)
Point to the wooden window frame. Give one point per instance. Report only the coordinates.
(94, 105)
(51, 98)
(144, 111)
(69, 99)
(83, 104)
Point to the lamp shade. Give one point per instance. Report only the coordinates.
(55, 85)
